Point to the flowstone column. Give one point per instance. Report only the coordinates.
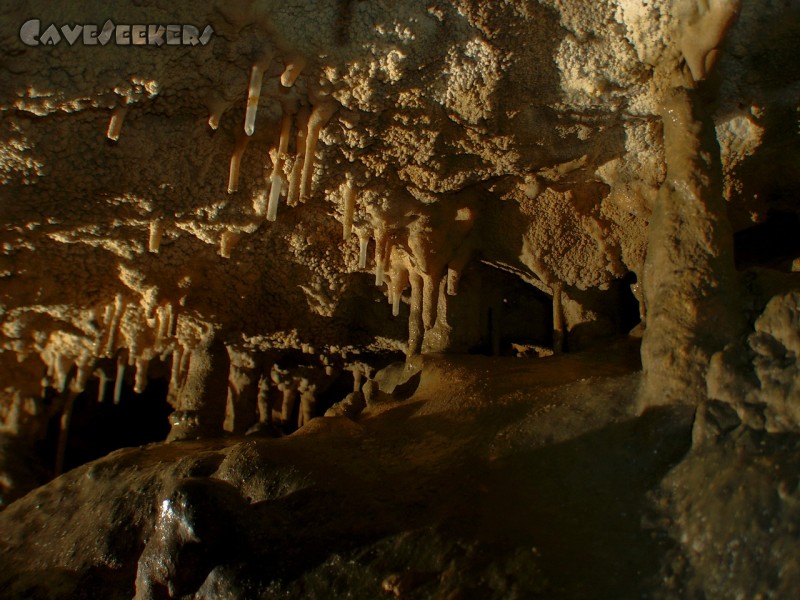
(690, 282)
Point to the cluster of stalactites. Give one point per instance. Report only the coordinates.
(128, 333)
(268, 390)
(306, 120)
(424, 253)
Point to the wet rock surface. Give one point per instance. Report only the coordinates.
(480, 489)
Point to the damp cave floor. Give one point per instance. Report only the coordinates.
(498, 478)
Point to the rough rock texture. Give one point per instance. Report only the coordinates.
(252, 232)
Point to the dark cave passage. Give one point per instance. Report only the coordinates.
(99, 428)
(773, 243)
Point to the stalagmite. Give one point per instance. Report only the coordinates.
(236, 162)
(363, 244)
(115, 123)
(301, 124)
(558, 319)
(253, 96)
(276, 179)
(318, 119)
(292, 71)
(349, 209)
(156, 233)
(140, 380)
(122, 363)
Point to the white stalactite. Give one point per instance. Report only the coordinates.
(236, 163)
(122, 364)
(295, 179)
(102, 384)
(363, 245)
(276, 179)
(253, 96)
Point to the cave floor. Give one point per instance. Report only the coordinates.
(498, 478)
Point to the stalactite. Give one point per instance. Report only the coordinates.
(301, 124)
(102, 383)
(122, 364)
(61, 369)
(558, 318)
(430, 299)
(381, 236)
(318, 119)
(175, 373)
(349, 209)
(276, 179)
(455, 267)
(113, 326)
(236, 163)
(253, 96)
(156, 233)
(172, 317)
(292, 71)
(398, 282)
(162, 331)
(363, 245)
(115, 123)
(183, 366)
(214, 119)
(140, 380)
(227, 241)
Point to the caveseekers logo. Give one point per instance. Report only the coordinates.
(33, 34)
